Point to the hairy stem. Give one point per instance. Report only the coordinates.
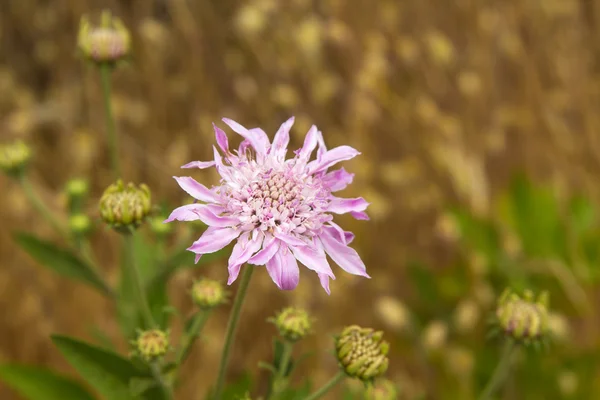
(327, 387)
(187, 341)
(279, 382)
(231, 329)
(500, 373)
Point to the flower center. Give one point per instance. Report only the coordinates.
(281, 200)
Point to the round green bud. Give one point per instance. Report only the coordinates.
(362, 353)
(208, 293)
(382, 389)
(80, 224)
(14, 157)
(151, 345)
(523, 317)
(159, 228)
(77, 188)
(108, 43)
(292, 323)
(125, 206)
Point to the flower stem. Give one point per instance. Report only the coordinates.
(500, 372)
(327, 387)
(279, 383)
(231, 329)
(164, 385)
(39, 205)
(113, 147)
(190, 337)
(134, 274)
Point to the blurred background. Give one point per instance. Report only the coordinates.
(448, 101)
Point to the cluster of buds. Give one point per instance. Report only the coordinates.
(14, 158)
(151, 345)
(383, 389)
(523, 318)
(362, 353)
(208, 293)
(105, 44)
(125, 206)
(292, 323)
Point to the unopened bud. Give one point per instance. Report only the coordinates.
(362, 353)
(208, 293)
(14, 158)
(124, 206)
(108, 43)
(382, 389)
(292, 323)
(76, 191)
(523, 317)
(151, 345)
(159, 228)
(80, 224)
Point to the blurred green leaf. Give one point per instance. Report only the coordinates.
(478, 233)
(236, 389)
(36, 383)
(423, 281)
(102, 338)
(582, 214)
(108, 372)
(60, 260)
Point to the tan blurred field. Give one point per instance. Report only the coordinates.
(445, 100)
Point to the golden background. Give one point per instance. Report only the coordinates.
(445, 100)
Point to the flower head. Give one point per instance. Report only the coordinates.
(292, 323)
(151, 344)
(523, 318)
(125, 206)
(362, 353)
(280, 211)
(208, 293)
(14, 157)
(108, 43)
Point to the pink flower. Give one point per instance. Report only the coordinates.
(279, 210)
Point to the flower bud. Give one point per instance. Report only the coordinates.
(382, 389)
(14, 158)
(124, 206)
(362, 353)
(159, 228)
(208, 293)
(76, 191)
(292, 323)
(523, 317)
(151, 345)
(80, 224)
(108, 43)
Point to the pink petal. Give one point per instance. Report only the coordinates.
(221, 137)
(221, 168)
(324, 279)
(360, 215)
(266, 254)
(310, 142)
(346, 257)
(199, 164)
(204, 213)
(254, 137)
(313, 259)
(336, 231)
(332, 157)
(241, 252)
(338, 179)
(196, 189)
(214, 239)
(322, 148)
(289, 239)
(283, 270)
(349, 237)
(184, 213)
(342, 206)
(282, 139)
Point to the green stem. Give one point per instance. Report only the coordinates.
(500, 372)
(134, 273)
(279, 382)
(111, 130)
(327, 387)
(39, 205)
(234, 317)
(164, 385)
(187, 341)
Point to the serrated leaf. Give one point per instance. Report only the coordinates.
(106, 371)
(34, 383)
(59, 260)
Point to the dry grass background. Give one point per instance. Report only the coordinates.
(445, 99)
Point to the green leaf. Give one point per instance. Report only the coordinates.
(60, 260)
(108, 372)
(34, 383)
